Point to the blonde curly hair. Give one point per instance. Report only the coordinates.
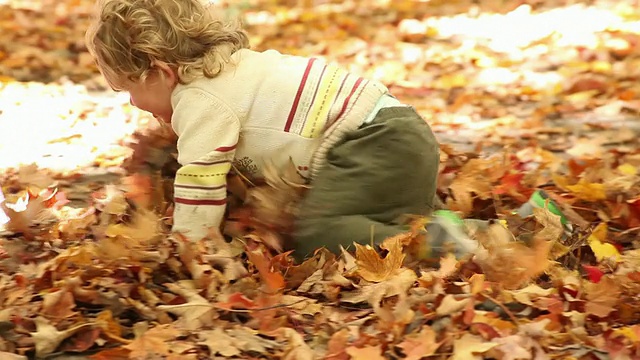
(127, 37)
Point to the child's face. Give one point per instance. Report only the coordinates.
(152, 94)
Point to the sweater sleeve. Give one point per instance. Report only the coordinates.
(208, 133)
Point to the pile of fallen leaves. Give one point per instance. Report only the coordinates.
(107, 278)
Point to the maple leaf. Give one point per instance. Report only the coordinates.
(397, 284)
(365, 353)
(602, 297)
(151, 342)
(195, 313)
(419, 345)
(28, 210)
(469, 346)
(218, 342)
(375, 269)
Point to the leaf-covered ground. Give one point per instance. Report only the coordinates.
(539, 96)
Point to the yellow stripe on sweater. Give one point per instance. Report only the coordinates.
(203, 175)
(319, 112)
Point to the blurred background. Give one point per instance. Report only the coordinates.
(487, 74)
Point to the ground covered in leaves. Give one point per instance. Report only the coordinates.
(522, 97)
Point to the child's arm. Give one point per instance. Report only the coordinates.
(208, 133)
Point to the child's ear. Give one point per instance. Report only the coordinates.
(166, 73)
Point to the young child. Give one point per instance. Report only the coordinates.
(369, 159)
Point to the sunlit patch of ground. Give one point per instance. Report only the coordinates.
(63, 127)
(469, 71)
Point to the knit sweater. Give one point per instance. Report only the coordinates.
(263, 107)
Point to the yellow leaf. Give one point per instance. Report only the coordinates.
(588, 191)
(627, 169)
(627, 332)
(601, 249)
(375, 269)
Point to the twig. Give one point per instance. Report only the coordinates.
(279, 306)
(504, 308)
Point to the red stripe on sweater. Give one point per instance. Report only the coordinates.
(226, 148)
(199, 187)
(210, 162)
(296, 101)
(346, 101)
(200, 202)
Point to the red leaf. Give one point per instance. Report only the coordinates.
(236, 301)
(112, 354)
(81, 341)
(593, 272)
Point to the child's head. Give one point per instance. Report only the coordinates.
(129, 38)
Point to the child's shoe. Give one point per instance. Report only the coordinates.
(540, 199)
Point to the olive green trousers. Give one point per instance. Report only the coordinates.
(378, 173)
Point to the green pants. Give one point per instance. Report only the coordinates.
(377, 174)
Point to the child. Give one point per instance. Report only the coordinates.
(369, 159)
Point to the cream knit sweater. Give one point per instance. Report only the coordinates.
(264, 106)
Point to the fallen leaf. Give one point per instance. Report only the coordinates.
(420, 345)
(375, 269)
(218, 342)
(365, 353)
(47, 338)
(470, 346)
(152, 342)
(602, 297)
(296, 349)
(196, 313)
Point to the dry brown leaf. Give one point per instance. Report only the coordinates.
(420, 345)
(603, 297)
(58, 304)
(196, 313)
(450, 305)
(365, 353)
(47, 338)
(296, 349)
(470, 347)
(152, 342)
(25, 212)
(375, 269)
(397, 285)
(218, 342)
